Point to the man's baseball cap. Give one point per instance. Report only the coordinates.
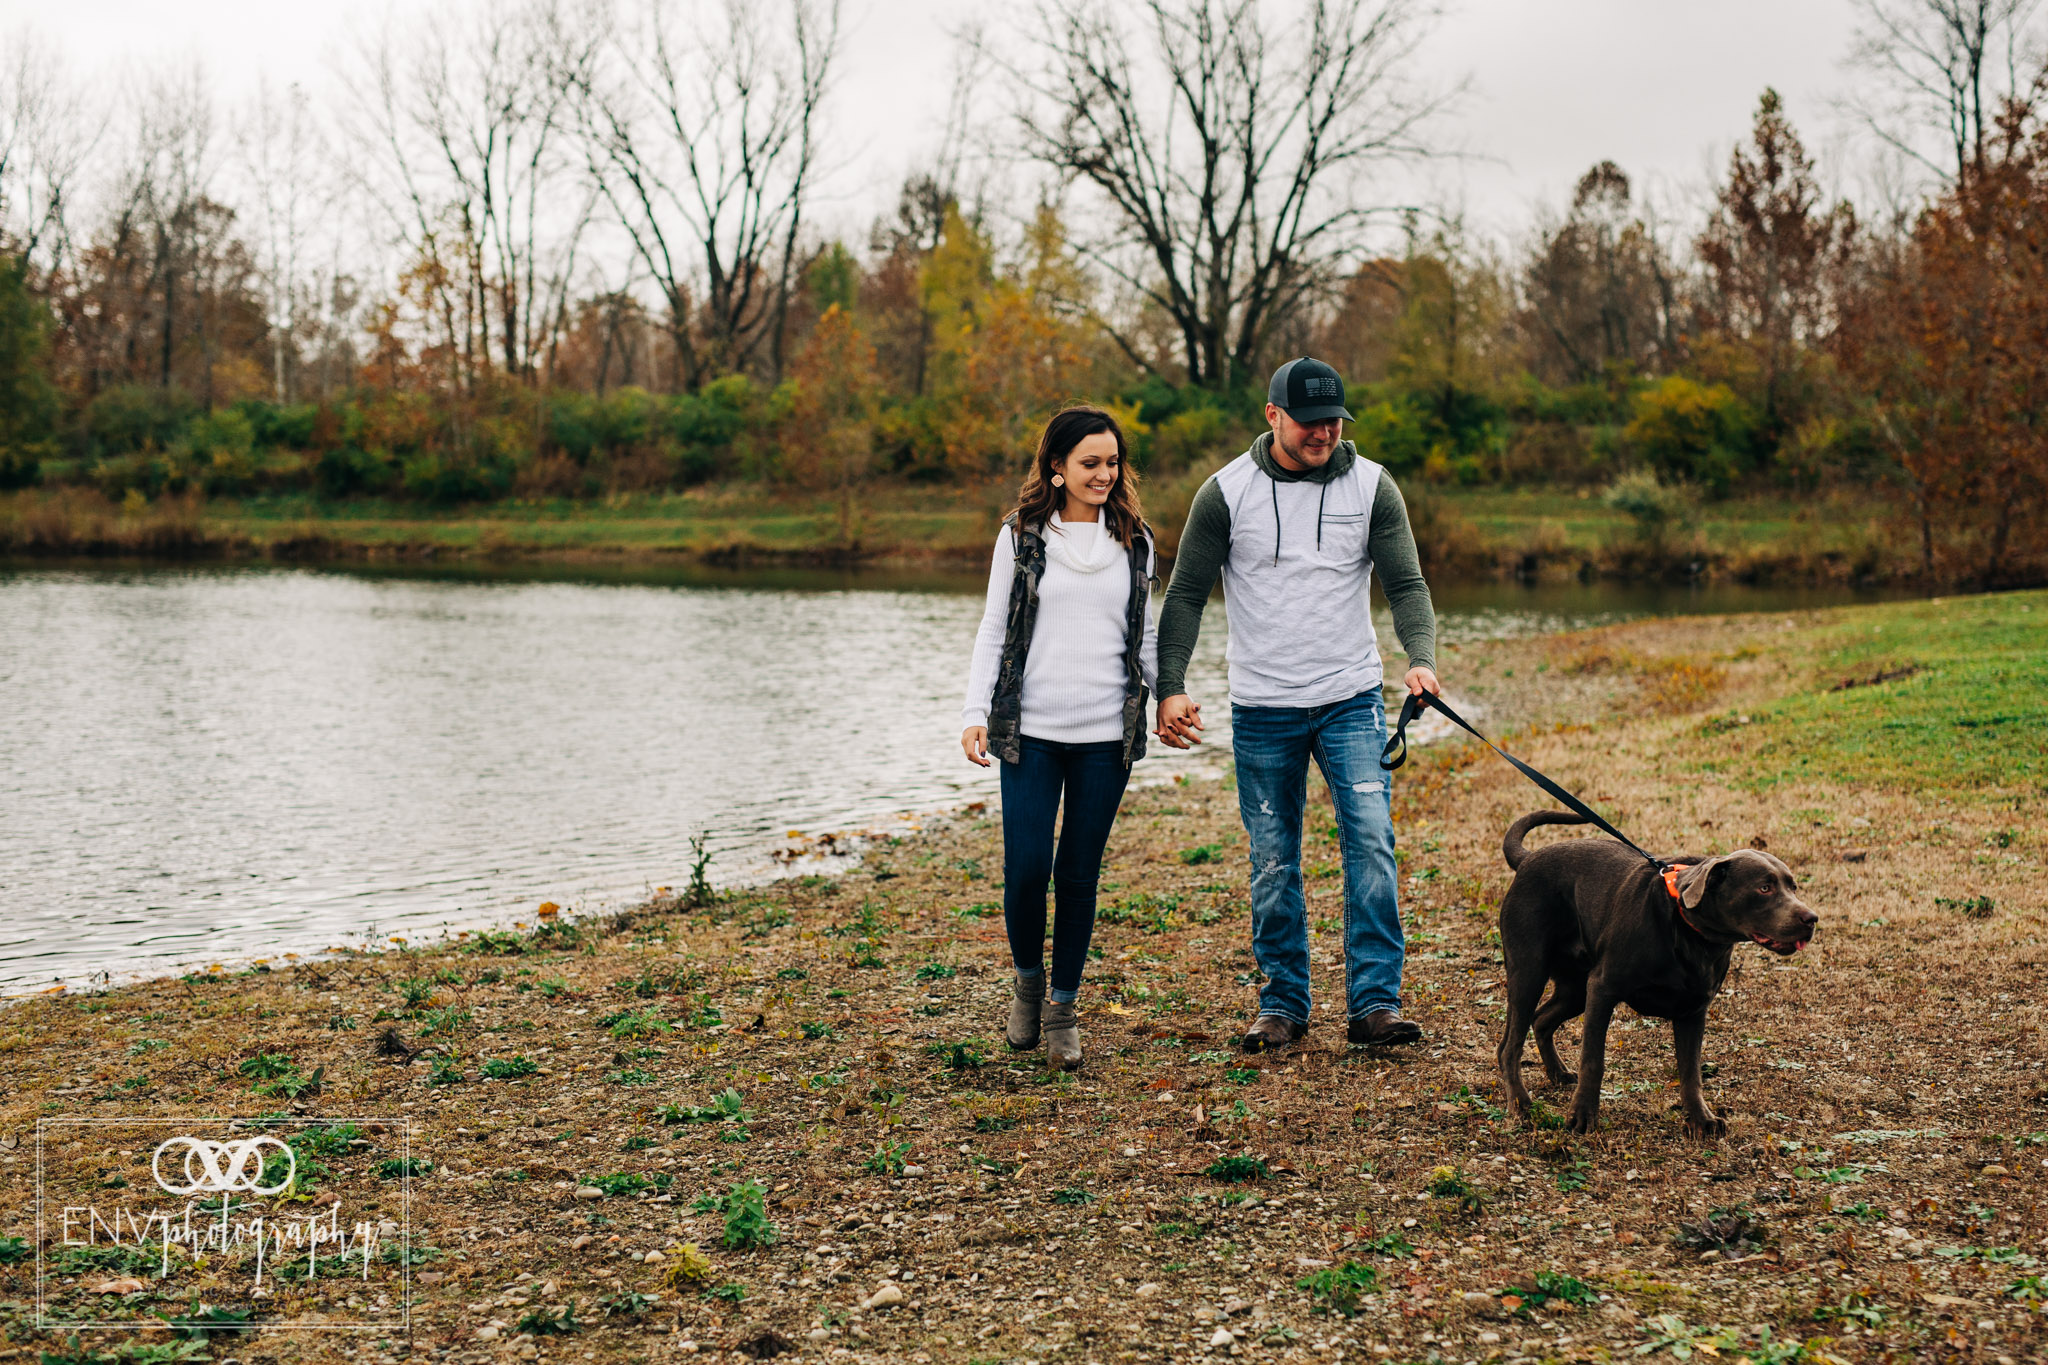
(1308, 391)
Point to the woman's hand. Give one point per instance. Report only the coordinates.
(1179, 719)
(974, 743)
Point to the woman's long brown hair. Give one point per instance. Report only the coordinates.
(1038, 499)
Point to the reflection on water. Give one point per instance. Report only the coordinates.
(206, 764)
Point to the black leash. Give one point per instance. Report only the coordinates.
(1414, 705)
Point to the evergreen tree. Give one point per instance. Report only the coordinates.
(28, 401)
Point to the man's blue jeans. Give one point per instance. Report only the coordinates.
(1273, 745)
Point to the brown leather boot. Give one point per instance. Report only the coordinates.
(1062, 1036)
(1027, 999)
(1382, 1028)
(1270, 1031)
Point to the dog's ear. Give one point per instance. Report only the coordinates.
(1697, 880)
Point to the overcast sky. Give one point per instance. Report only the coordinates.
(1663, 87)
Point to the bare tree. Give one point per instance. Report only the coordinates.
(706, 146)
(1772, 251)
(462, 128)
(280, 150)
(1600, 289)
(168, 191)
(45, 137)
(1941, 67)
(1226, 143)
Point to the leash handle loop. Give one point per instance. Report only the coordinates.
(1392, 757)
(1410, 708)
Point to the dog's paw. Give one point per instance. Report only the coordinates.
(1583, 1122)
(1563, 1077)
(1706, 1126)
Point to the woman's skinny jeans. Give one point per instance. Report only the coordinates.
(1092, 778)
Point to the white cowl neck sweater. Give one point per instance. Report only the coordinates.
(1074, 670)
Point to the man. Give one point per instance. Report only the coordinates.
(1296, 526)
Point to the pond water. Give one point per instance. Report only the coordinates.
(207, 765)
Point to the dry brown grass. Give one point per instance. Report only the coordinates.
(1897, 1065)
(82, 521)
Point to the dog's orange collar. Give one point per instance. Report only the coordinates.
(1671, 872)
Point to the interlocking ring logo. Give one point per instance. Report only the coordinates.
(223, 1167)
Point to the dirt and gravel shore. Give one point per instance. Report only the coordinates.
(782, 1122)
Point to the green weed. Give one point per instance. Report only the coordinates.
(1237, 1169)
(86, 1260)
(201, 1323)
(1448, 1182)
(634, 1024)
(746, 1215)
(540, 1322)
(627, 1303)
(699, 893)
(888, 1159)
(1339, 1288)
(726, 1104)
(508, 1068)
(1533, 1293)
(1852, 1307)
(267, 1066)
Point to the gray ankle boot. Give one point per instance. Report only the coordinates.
(1026, 1000)
(1062, 1036)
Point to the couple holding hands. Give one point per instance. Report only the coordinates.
(1067, 652)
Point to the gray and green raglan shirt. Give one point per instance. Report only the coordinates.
(1296, 551)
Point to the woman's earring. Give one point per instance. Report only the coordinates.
(1059, 481)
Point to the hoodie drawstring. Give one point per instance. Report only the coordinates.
(1321, 498)
(1274, 484)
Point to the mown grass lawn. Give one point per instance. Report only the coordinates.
(1947, 697)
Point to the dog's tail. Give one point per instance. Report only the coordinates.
(1511, 842)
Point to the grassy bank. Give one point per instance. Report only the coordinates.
(1465, 533)
(833, 1044)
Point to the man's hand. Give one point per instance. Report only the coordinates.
(1422, 680)
(1179, 719)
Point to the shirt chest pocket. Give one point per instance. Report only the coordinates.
(1342, 537)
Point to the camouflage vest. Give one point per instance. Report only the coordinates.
(1005, 711)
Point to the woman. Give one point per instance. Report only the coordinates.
(1063, 663)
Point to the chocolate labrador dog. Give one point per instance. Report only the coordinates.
(1604, 925)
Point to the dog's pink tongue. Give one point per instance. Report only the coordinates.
(1799, 946)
